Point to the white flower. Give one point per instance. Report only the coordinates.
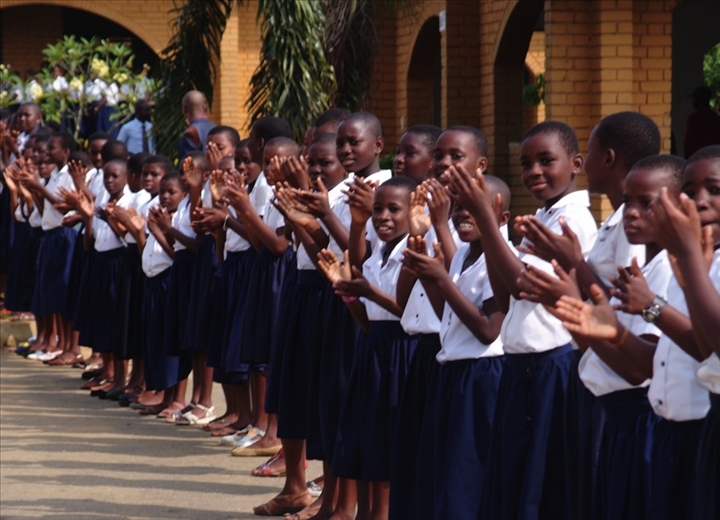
(35, 91)
(76, 84)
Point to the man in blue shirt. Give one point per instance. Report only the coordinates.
(136, 132)
(195, 108)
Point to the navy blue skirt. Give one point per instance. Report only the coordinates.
(225, 354)
(452, 461)
(673, 466)
(161, 370)
(108, 302)
(257, 329)
(584, 419)
(135, 339)
(623, 478)
(369, 413)
(8, 227)
(328, 387)
(204, 298)
(410, 420)
(706, 501)
(79, 261)
(22, 267)
(105, 122)
(54, 261)
(178, 302)
(279, 333)
(526, 477)
(303, 334)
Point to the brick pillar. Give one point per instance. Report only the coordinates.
(461, 64)
(226, 103)
(25, 32)
(652, 63)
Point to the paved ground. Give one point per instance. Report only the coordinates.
(65, 455)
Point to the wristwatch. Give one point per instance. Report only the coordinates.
(652, 313)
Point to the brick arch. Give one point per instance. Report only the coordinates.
(509, 52)
(147, 20)
(424, 75)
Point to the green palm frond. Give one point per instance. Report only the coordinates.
(293, 79)
(188, 63)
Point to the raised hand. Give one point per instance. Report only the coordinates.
(85, 206)
(317, 202)
(77, 172)
(471, 193)
(213, 155)
(547, 245)
(296, 173)
(217, 181)
(594, 322)
(135, 220)
(273, 171)
(540, 287)
(358, 286)
(160, 218)
(418, 220)
(361, 196)
(69, 199)
(290, 207)
(423, 265)
(438, 201)
(211, 219)
(632, 289)
(193, 175)
(236, 194)
(332, 268)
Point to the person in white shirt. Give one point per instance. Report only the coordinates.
(383, 355)
(528, 455)
(30, 119)
(137, 133)
(430, 217)
(58, 242)
(679, 229)
(162, 372)
(617, 142)
(462, 390)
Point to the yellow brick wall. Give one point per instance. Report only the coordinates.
(24, 38)
(148, 19)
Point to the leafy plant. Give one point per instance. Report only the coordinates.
(83, 61)
(351, 44)
(189, 62)
(534, 93)
(293, 79)
(711, 72)
(11, 85)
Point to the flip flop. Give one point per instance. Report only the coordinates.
(284, 505)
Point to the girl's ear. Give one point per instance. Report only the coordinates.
(482, 164)
(504, 218)
(609, 158)
(379, 145)
(577, 164)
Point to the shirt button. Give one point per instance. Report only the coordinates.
(662, 363)
(417, 315)
(422, 294)
(660, 401)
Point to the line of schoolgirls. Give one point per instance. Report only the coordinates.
(387, 326)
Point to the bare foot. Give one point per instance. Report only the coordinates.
(311, 511)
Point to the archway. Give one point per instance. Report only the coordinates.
(694, 32)
(48, 23)
(425, 76)
(509, 73)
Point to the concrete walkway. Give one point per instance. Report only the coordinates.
(65, 455)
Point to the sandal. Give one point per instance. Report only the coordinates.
(172, 417)
(284, 505)
(190, 418)
(265, 470)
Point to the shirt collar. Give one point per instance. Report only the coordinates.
(578, 198)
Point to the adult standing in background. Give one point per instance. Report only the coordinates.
(195, 108)
(703, 126)
(136, 133)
